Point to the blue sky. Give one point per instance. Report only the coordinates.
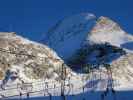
(32, 18)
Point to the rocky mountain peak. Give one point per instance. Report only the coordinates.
(105, 23)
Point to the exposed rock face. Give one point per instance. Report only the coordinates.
(97, 54)
(30, 59)
(109, 31)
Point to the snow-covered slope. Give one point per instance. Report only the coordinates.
(74, 32)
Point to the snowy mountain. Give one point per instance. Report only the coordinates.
(97, 48)
(72, 33)
(97, 56)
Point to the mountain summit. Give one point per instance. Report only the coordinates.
(72, 33)
(109, 31)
